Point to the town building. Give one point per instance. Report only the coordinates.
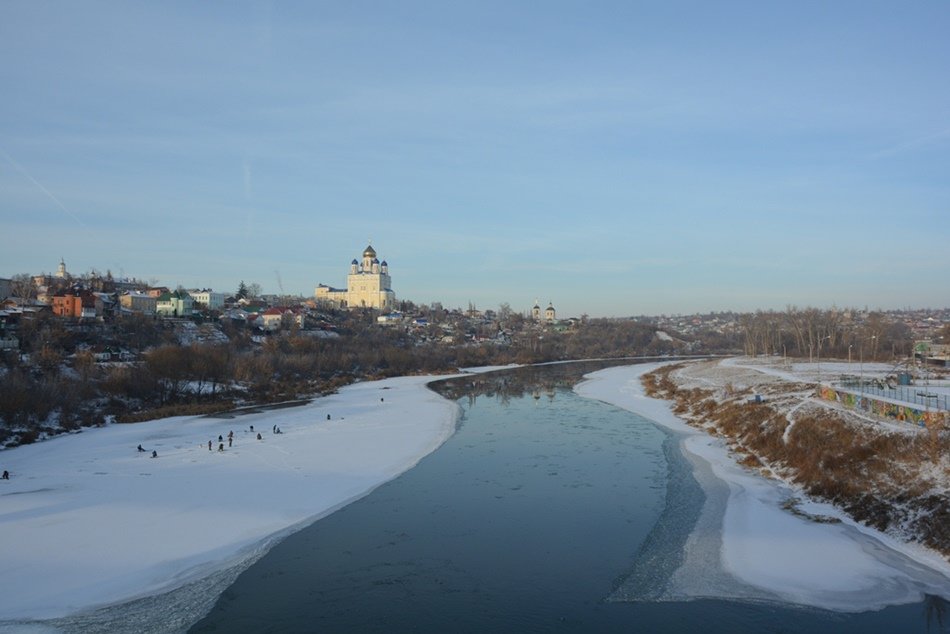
(549, 313)
(138, 302)
(47, 285)
(75, 304)
(368, 285)
(208, 299)
(273, 318)
(175, 304)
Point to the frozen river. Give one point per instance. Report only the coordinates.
(545, 512)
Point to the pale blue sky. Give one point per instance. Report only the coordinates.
(614, 158)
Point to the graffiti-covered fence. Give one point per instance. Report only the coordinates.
(867, 403)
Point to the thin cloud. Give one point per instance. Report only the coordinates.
(20, 169)
(907, 146)
(247, 178)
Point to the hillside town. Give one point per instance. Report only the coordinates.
(95, 298)
(82, 348)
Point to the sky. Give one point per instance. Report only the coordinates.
(610, 158)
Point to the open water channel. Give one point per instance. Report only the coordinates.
(532, 518)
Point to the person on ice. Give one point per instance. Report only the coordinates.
(155, 454)
(140, 448)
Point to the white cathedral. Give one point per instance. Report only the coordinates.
(368, 285)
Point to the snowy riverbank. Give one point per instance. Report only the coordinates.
(87, 520)
(770, 553)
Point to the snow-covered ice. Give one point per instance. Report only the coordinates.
(777, 554)
(86, 520)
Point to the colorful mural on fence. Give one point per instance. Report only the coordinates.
(865, 403)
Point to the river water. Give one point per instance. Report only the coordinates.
(545, 512)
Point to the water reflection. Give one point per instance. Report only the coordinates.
(935, 613)
(535, 381)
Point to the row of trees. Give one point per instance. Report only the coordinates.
(24, 286)
(60, 381)
(812, 332)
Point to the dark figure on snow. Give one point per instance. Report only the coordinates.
(6, 474)
(274, 429)
(252, 429)
(328, 417)
(229, 441)
(221, 447)
(220, 438)
(209, 445)
(259, 437)
(140, 448)
(231, 434)
(155, 454)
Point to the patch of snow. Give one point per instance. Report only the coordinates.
(489, 368)
(757, 543)
(87, 520)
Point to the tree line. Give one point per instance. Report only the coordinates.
(56, 383)
(815, 333)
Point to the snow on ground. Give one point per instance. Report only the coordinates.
(88, 520)
(489, 368)
(781, 555)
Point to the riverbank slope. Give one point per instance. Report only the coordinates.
(890, 475)
(762, 541)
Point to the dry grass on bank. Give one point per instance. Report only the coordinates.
(892, 481)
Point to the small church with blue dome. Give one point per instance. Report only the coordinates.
(368, 285)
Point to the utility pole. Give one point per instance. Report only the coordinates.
(820, 339)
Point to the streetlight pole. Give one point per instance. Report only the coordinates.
(873, 337)
(818, 357)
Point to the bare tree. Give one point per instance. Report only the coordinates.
(23, 286)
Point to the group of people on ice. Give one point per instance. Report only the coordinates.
(275, 429)
(221, 441)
